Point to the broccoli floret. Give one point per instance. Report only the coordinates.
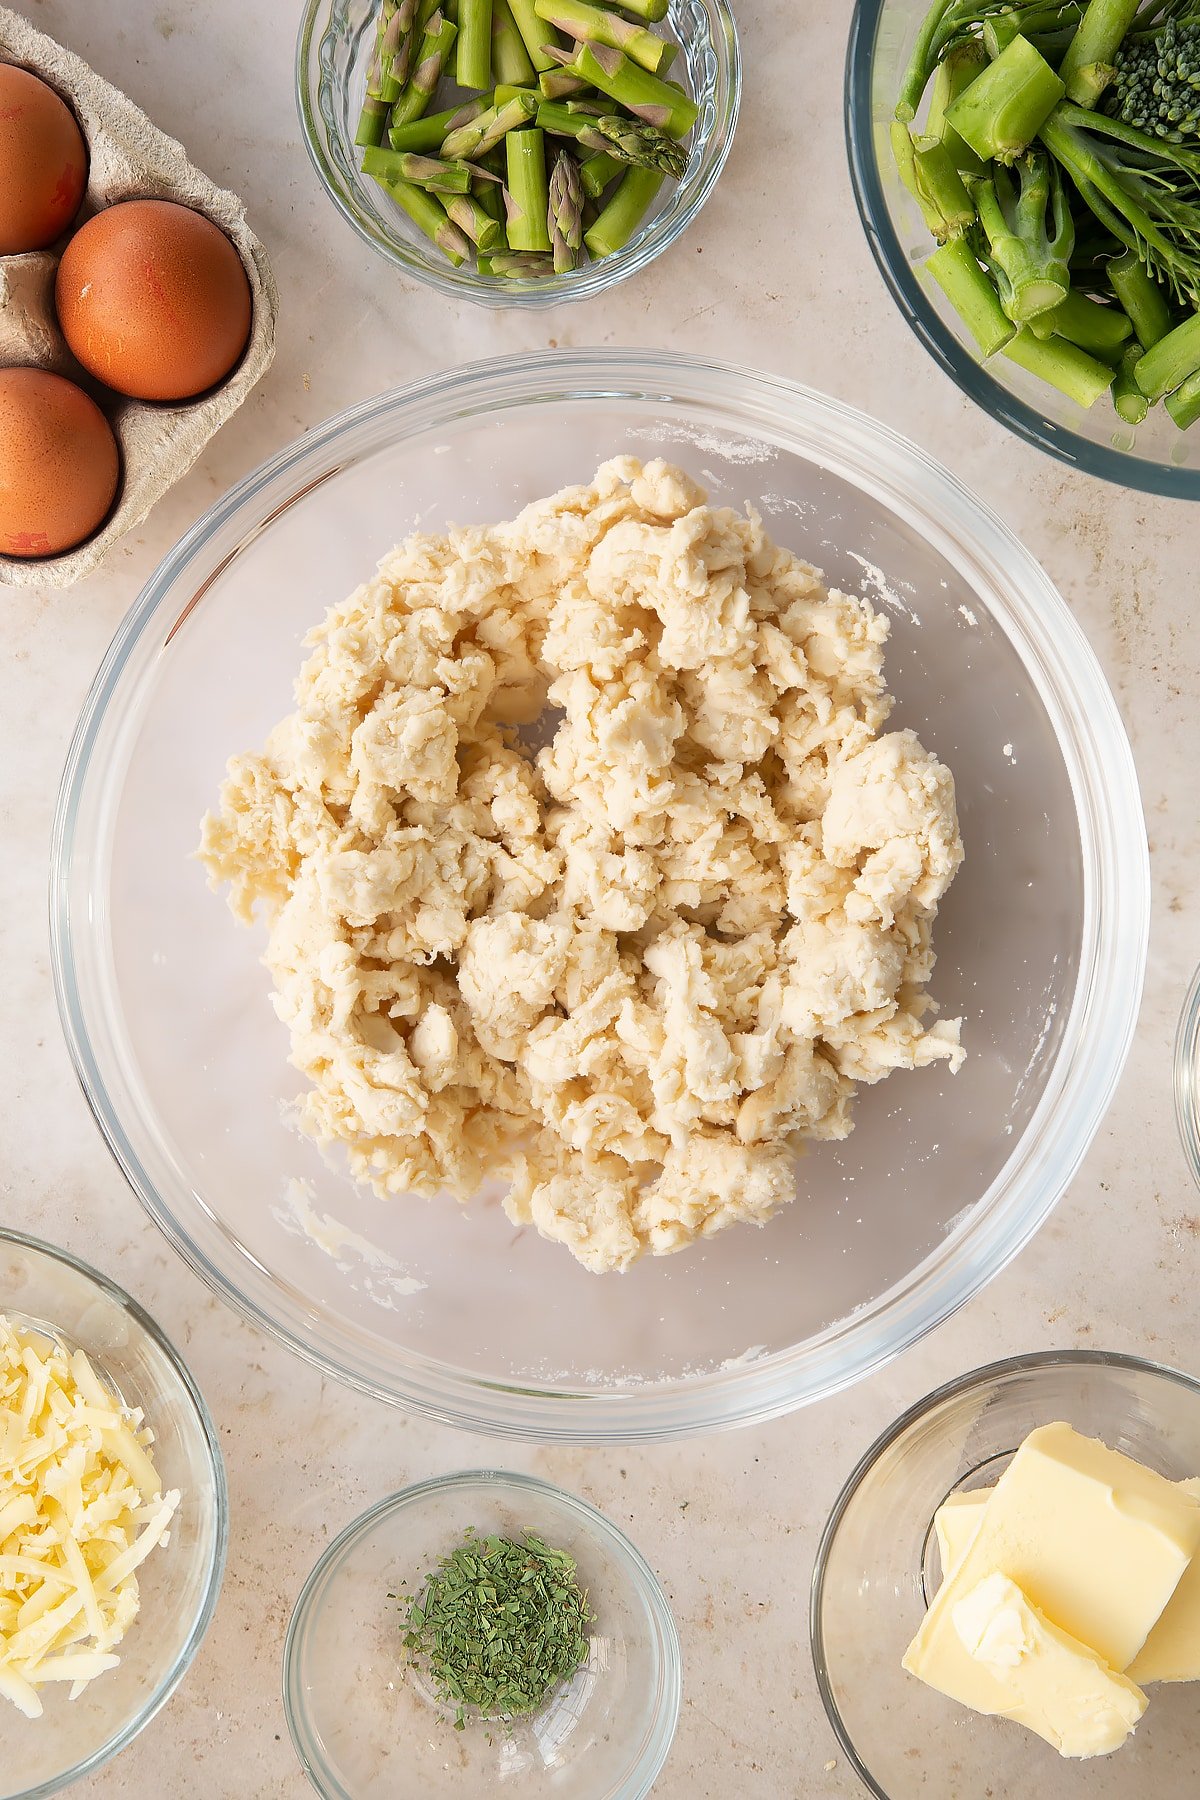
(1156, 85)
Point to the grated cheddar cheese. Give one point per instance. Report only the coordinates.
(81, 1507)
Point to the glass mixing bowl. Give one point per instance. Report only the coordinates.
(332, 53)
(180, 1581)
(367, 1726)
(1187, 1076)
(447, 1309)
(878, 1565)
(1155, 456)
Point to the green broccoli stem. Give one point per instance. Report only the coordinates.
(1141, 296)
(1128, 399)
(970, 292)
(1000, 113)
(430, 218)
(1172, 361)
(928, 172)
(1087, 67)
(954, 73)
(1049, 29)
(629, 205)
(1184, 404)
(528, 189)
(592, 24)
(427, 135)
(923, 60)
(510, 59)
(1064, 365)
(1102, 330)
(1107, 197)
(1030, 235)
(475, 44)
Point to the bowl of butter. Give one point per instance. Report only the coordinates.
(1007, 1593)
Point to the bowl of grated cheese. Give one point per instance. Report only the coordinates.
(113, 1519)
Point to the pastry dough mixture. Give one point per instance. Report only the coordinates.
(630, 971)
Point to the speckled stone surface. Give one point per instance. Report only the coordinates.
(731, 1523)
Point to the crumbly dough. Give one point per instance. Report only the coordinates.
(634, 969)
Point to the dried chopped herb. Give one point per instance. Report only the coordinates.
(498, 1625)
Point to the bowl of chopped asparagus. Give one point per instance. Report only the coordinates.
(518, 152)
(1028, 172)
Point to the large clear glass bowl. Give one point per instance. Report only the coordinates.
(368, 1726)
(1155, 456)
(332, 53)
(878, 1567)
(49, 1290)
(1041, 943)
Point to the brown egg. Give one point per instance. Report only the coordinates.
(58, 464)
(153, 300)
(43, 163)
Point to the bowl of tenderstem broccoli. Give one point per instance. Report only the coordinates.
(1028, 173)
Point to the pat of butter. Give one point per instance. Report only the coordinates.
(1094, 1541)
(1172, 1650)
(1049, 1682)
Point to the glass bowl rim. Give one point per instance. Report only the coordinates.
(556, 290)
(640, 1780)
(1186, 1073)
(166, 1685)
(1091, 738)
(983, 1376)
(953, 357)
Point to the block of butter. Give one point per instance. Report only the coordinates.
(1094, 1543)
(1054, 1685)
(1172, 1650)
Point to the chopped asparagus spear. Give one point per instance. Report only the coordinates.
(473, 218)
(565, 215)
(474, 140)
(431, 172)
(436, 45)
(653, 11)
(1172, 361)
(475, 44)
(528, 190)
(517, 265)
(510, 59)
(660, 103)
(624, 212)
(556, 84)
(593, 25)
(430, 218)
(598, 171)
(535, 34)
(429, 133)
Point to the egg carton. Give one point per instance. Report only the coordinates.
(130, 159)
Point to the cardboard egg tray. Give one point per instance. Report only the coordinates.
(130, 159)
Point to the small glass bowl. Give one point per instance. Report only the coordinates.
(179, 1583)
(332, 53)
(1155, 457)
(366, 1726)
(878, 1566)
(1187, 1076)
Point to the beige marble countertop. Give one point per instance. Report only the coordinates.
(775, 276)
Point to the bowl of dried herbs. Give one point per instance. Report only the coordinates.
(477, 1628)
